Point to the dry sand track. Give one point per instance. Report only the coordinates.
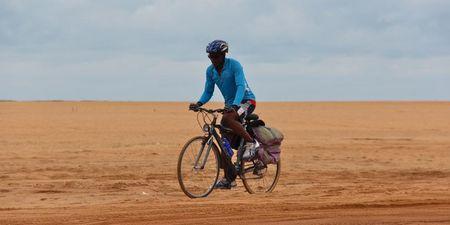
(115, 163)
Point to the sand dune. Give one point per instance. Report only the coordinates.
(115, 163)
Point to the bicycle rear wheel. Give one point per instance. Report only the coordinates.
(198, 167)
(260, 178)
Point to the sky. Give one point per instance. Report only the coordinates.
(312, 50)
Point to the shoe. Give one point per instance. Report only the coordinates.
(250, 150)
(260, 169)
(225, 184)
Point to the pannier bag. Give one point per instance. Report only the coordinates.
(269, 154)
(270, 139)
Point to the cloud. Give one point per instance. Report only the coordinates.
(81, 44)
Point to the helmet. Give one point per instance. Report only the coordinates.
(217, 46)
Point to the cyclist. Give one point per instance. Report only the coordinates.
(228, 75)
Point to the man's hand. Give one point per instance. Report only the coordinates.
(231, 108)
(195, 106)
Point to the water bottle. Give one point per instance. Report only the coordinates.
(227, 147)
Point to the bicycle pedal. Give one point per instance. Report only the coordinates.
(237, 168)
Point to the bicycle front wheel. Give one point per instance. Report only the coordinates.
(198, 167)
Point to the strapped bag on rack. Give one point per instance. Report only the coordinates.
(270, 140)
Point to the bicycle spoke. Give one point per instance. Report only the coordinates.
(249, 169)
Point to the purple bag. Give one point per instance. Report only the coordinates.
(269, 154)
(270, 139)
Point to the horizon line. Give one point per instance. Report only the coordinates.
(218, 102)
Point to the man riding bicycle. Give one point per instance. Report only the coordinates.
(228, 75)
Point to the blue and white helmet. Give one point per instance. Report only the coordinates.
(217, 46)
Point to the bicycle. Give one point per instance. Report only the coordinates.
(198, 163)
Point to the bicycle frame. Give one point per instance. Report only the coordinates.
(210, 136)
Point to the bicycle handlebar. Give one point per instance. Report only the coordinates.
(209, 110)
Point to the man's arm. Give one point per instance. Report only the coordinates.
(240, 84)
(209, 89)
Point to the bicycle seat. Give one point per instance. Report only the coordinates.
(252, 117)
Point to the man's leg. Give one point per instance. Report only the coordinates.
(231, 120)
(230, 174)
(227, 166)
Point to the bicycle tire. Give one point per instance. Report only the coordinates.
(182, 182)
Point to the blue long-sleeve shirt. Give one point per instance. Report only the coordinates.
(231, 83)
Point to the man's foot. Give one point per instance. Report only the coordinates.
(225, 184)
(259, 169)
(250, 150)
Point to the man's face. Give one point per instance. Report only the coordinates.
(216, 58)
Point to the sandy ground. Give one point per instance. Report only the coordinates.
(115, 163)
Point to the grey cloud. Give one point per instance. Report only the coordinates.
(80, 43)
(392, 28)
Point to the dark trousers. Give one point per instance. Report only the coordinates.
(233, 120)
(228, 167)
